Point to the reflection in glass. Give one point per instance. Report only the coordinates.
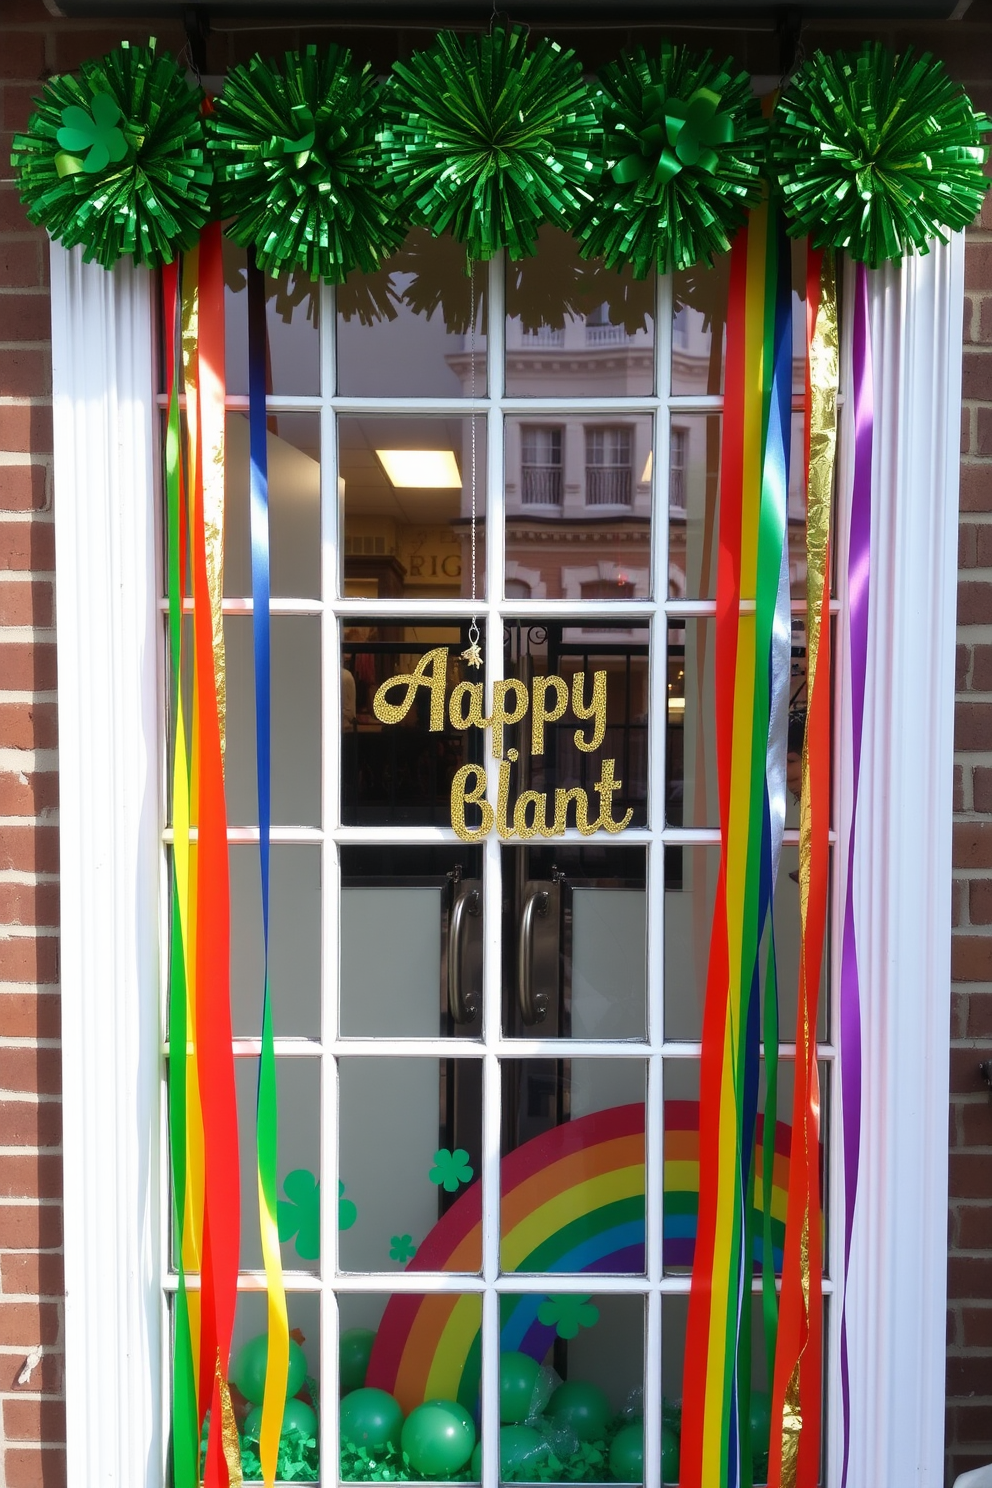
(295, 721)
(410, 1151)
(292, 319)
(406, 330)
(574, 328)
(293, 450)
(294, 940)
(574, 942)
(405, 488)
(532, 652)
(399, 773)
(411, 941)
(582, 481)
(572, 1176)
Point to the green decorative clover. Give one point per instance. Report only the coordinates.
(401, 1248)
(299, 1213)
(567, 1312)
(675, 135)
(91, 131)
(451, 1169)
(347, 1211)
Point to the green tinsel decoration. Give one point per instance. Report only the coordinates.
(876, 153)
(489, 136)
(294, 149)
(685, 146)
(115, 160)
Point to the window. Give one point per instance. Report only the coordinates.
(540, 468)
(676, 468)
(109, 643)
(608, 476)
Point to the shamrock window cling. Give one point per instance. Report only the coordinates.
(451, 1169)
(299, 1213)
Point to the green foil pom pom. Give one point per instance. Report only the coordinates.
(876, 153)
(685, 146)
(489, 136)
(294, 149)
(115, 159)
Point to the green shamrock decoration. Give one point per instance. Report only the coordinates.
(567, 1312)
(675, 135)
(451, 1169)
(401, 1248)
(347, 1211)
(93, 131)
(299, 1213)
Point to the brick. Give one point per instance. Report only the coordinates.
(35, 1273)
(23, 488)
(970, 1178)
(971, 958)
(28, 795)
(984, 328)
(961, 1461)
(975, 602)
(975, 1128)
(967, 1376)
(24, 54)
(28, 668)
(965, 442)
(959, 905)
(13, 216)
(980, 902)
(26, 373)
(983, 432)
(976, 488)
(29, 725)
(29, 849)
(31, 1176)
(29, 604)
(20, 263)
(35, 1467)
(981, 669)
(17, 102)
(11, 724)
(30, 1227)
(972, 844)
(962, 666)
(972, 1422)
(26, 427)
(974, 1228)
(967, 545)
(976, 1326)
(972, 726)
(983, 546)
(47, 1377)
(30, 1015)
(30, 958)
(981, 782)
(976, 375)
(32, 1419)
(978, 266)
(26, 1324)
(31, 1071)
(38, 904)
(31, 1123)
(25, 317)
(28, 545)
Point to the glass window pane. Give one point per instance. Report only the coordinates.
(406, 330)
(572, 1175)
(298, 1162)
(248, 1356)
(409, 1154)
(295, 721)
(294, 940)
(293, 451)
(580, 482)
(574, 942)
(292, 318)
(411, 941)
(405, 489)
(574, 328)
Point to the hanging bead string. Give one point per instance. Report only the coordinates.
(473, 654)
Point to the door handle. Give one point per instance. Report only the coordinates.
(463, 1007)
(533, 1006)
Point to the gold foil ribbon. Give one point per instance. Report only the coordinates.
(230, 1440)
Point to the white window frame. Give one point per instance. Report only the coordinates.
(110, 717)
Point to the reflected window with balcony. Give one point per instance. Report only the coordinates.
(540, 466)
(608, 457)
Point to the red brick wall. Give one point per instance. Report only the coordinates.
(32, 1430)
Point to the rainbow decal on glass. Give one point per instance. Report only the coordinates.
(572, 1201)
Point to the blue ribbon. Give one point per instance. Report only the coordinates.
(259, 500)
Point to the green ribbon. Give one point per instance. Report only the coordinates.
(676, 134)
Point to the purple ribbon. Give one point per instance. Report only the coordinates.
(858, 576)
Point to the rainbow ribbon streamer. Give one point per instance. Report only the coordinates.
(277, 1366)
(753, 649)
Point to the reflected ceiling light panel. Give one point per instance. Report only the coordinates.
(434, 469)
(648, 467)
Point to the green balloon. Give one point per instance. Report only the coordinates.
(371, 1418)
(520, 1448)
(581, 1406)
(627, 1454)
(438, 1440)
(298, 1416)
(761, 1424)
(354, 1351)
(250, 1364)
(456, 1410)
(669, 1455)
(519, 1378)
